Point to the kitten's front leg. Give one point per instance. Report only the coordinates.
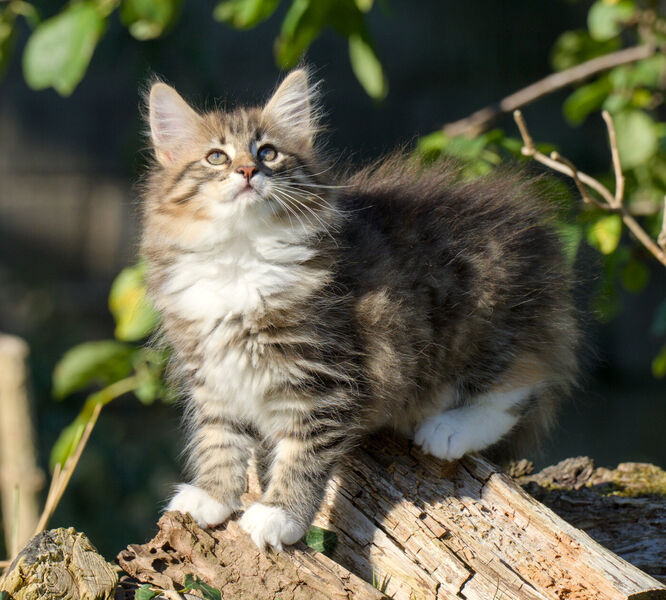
(218, 456)
(298, 476)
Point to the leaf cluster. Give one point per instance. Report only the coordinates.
(60, 47)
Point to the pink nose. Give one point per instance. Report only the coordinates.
(247, 172)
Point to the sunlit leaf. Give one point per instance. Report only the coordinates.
(634, 276)
(301, 25)
(636, 137)
(58, 52)
(366, 67)
(145, 593)
(244, 14)
(605, 19)
(321, 540)
(586, 99)
(149, 19)
(134, 314)
(364, 5)
(659, 364)
(604, 234)
(100, 362)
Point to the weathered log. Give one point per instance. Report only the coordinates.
(229, 561)
(58, 564)
(424, 528)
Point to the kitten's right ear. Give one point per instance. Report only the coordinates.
(173, 123)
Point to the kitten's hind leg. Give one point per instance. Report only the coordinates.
(453, 433)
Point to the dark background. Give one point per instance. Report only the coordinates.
(68, 215)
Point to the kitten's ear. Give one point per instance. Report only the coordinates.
(173, 123)
(292, 105)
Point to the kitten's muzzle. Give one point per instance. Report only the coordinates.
(247, 171)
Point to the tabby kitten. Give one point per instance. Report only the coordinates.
(305, 310)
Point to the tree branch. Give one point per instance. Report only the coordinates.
(479, 121)
(613, 203)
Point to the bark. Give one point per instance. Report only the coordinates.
(421, 529)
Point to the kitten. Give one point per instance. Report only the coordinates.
(305, 310)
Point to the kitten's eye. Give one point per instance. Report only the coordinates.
(267, 153)
(217, 157)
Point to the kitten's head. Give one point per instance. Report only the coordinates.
(218, 174)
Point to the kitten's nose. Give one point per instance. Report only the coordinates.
(247, 172)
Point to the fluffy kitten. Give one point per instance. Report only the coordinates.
(305, 310)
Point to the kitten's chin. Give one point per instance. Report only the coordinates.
(247, 194)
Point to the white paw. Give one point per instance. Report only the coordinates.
(205, 510)
(270, 525)
(446, 435)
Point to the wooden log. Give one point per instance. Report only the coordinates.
(423, 528)
(229, 561)
(20, 478)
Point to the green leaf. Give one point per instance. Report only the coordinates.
(659, 364)
(66, 443)
(364, 5)
(58, 52)
(634, 276)
(134, 314)
(575, 47)
(636, 137)
(4, 596)
(605, 19)
(321, 540)
(616, 102)
(149, 19)
(92, 362)
(658, 326)
(145, 593)
(244, 14)
(366, 67)
(208, 592)
(604, 234)
(301, 25)
(586, 99)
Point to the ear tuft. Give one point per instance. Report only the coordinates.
(292, 104)
(173, 123)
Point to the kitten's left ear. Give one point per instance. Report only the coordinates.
(291, 105)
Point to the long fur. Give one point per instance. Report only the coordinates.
(307, 308)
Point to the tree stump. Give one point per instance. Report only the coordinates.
(60, 564)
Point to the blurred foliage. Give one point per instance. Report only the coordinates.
(634, 95)
(119, 366)
(60, 47)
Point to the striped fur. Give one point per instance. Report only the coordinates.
(306, 308)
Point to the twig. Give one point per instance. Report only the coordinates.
(480, 120)
(615, 154)
(611, 202)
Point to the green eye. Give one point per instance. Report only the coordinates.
(267, 153)
(217, 157)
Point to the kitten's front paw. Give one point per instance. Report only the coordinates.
(444, 436)
(205, 510)
(271, 525)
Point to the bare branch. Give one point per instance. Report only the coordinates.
(617, 168)
(480, 120)
(612, 203)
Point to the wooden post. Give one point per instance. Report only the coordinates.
(20, 478)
